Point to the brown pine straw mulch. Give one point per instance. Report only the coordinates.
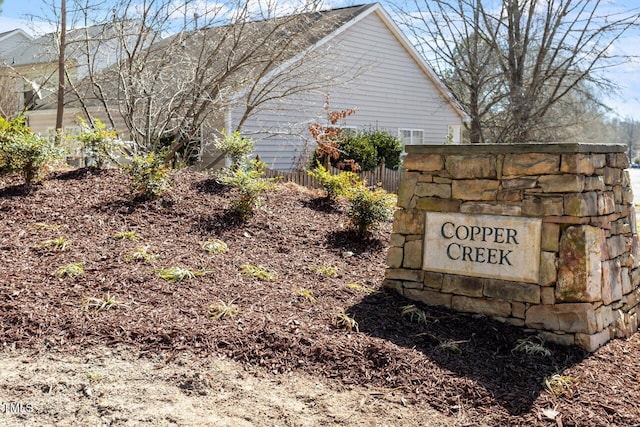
(459, 364)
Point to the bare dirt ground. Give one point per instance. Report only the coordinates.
(107, 386)
(158, 356)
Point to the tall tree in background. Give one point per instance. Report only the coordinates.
(172, 77)
(61, 69)
(511, 63)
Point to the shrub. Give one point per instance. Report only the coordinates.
(388, 147)
(335, 185)
(149, 176)
(97, 141)
(364, 151)
(235, 147)
(356, 148)
(23, 152)
(368, 208)
(249, 182)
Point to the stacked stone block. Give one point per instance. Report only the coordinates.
(588, 288)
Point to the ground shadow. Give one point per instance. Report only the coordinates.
(80, 173)
(211, 186)
(322, 204)
(129, 206)
(18, 190)
(473, 347)
(349, 240)
(219, 223)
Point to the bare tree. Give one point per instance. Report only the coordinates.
(509, 63)
(628, 133)
(9, 98)
(166, 90)
(61, 69)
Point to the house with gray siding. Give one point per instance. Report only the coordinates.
(377, 71)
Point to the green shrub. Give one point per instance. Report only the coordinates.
(235, 147)
(249, 182)
(149, 176)
(388, 147)
(97, 141)
(365, 151)
(335, 185)
(358, 148)
(368, 208)
(23, 152)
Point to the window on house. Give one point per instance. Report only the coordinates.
(411, 136)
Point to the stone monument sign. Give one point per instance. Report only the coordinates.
(541, 236)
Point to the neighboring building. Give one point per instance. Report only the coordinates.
(11, 41)
(34, 65)
(383, 78)
(357, 56)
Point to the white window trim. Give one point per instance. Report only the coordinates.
(401, 135)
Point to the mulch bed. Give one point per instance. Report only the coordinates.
(459, 364)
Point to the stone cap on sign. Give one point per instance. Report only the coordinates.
(559, 147)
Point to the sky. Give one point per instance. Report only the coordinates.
(27, 14)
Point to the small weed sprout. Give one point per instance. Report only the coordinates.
(221, 310)
(452, 346)
(414, 313)
(560, 385)
(131, 235)
(215, 246)
(95, 377)
(73, 270)
(48, 227)
(307, 294)
(141, 253)
(361, 288)
(343, 320)
(101, 304)
(325, 270)
(531, 347)
(55, 245)
(257, 272)
(178, 274)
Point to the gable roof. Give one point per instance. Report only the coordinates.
(44, 49)
(17, 31)
(16, 39)
(358, 13)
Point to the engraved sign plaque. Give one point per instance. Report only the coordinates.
(491, 246)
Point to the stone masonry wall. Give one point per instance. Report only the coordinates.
(589, 276)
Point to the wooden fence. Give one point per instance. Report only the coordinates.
(387, 178)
